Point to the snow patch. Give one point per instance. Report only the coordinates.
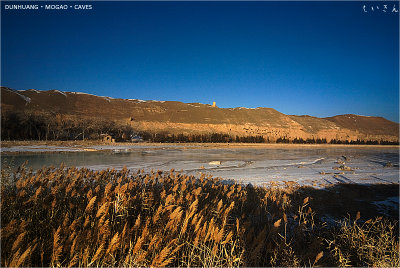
(365, 115)
(81, 93)
(27, 99)
(137, 100)
(246, 108)
(107, 98)
(60, 92)
(193, 105)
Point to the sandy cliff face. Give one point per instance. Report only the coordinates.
(177, 117)
(271, 133)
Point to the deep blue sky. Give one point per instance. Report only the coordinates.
(315, 58)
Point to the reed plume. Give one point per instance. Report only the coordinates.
(114, 218)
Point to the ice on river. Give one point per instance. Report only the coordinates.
(304, 165)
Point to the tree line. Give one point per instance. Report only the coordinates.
(335, 141)
(29, 125)
(199, 138)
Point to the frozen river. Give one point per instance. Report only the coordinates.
(306, 165)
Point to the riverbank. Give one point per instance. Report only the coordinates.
(12, 147)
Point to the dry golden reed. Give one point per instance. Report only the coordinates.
(77, 217)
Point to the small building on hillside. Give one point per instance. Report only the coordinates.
(136, 138)
(107, 138)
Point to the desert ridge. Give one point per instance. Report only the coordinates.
(177, 118)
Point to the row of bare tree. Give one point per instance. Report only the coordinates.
(33, 125)
(199, 138)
